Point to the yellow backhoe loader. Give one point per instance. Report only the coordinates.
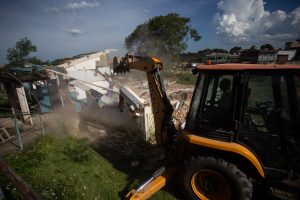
(242, 129)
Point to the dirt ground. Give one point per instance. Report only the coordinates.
(28, 134)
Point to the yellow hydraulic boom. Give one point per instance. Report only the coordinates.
(162, 110)
(161, 106)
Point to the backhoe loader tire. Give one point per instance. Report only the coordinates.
(210, 178)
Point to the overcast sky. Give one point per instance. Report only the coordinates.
(62, 28)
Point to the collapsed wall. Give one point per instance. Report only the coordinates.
(88, 78)
(137, 101)
(139, 110)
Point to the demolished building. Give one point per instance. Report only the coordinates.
(88, 76)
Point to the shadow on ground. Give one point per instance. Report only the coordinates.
(116, 137)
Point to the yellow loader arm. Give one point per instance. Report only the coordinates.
(157, 181)
(165, 131)
(161, 106)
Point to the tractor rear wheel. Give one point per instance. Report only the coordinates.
(210, 178)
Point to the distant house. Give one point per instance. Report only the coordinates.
(284, 56)
(294, 45)
(267, 56)
(217, 58)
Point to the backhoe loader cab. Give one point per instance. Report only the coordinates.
(243, 124)
(242, 127)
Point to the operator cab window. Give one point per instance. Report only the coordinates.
(217, 110)
(267, 126)
(297, 86)
(192, 117)
(266, 104)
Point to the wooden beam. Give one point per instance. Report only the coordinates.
(22, 187)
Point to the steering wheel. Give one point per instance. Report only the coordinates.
(264, 107)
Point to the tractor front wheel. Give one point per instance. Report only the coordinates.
(210, 178)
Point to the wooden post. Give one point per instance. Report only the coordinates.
(24, 105)
(11, 93)
(23, 188)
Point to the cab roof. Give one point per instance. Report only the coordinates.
(239, 66)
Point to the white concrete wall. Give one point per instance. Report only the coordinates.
(291, 53)
(88, 61)
(84, 64)
(83, 68)
(267, 58)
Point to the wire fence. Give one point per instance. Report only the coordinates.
(20, 119)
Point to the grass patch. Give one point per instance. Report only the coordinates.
(181, 78)
(187, 79)
(68, 169)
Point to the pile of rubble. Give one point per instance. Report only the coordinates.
(180, 97)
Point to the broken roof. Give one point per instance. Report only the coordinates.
(84, 56)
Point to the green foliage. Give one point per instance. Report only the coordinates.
(33, 156)
(187, 79)
(182, 78)
(192, 57)
(77, 150)
(18, 55)
(217, 50)
(253, 47)
(35, 60)
(49, 166)
(4, 99)
(200, 55)
(58, 61)
(235, 50)
(161, 36)
(266, 47)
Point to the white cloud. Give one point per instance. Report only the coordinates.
(81, 5)
(53, 10)
(247, 21)
(296, 17)
(73, 32)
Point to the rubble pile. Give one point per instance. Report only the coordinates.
(180, 97)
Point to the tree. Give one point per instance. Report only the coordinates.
(253, 47)
(235, 50)
(162, 36)
(266, 47)
(18, 56)
(217, 50)
(205, 52)
(35, 60)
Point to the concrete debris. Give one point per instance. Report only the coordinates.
(139, 111)
(131, 98)
(135, 163)
(137, 98)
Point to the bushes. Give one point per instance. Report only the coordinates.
(181, 78)
(188, 79)
(65, 168)
(77, 150)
